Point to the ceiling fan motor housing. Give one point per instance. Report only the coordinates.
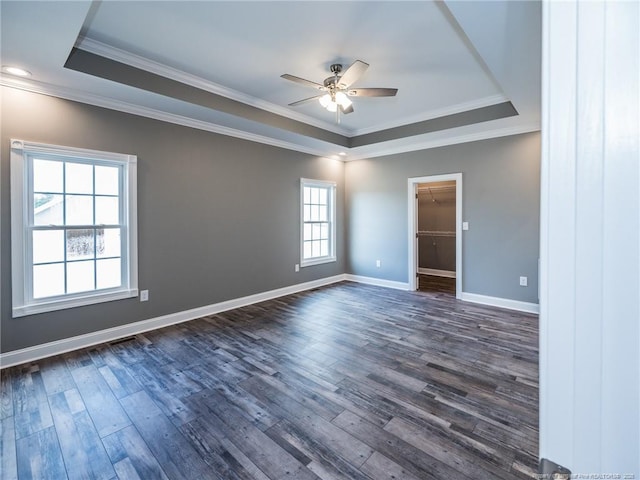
(331, 82)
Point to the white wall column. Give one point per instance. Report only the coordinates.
(590, 242)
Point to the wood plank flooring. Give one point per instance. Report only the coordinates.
(342, 382)
(433, 284)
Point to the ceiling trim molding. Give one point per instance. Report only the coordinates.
(352, 154)
(443, 142)
(113, 53)
(125, 107)
(122, 56)
(437, 113)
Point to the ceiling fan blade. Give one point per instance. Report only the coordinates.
(353, 73)
(303, 81)
(300, 102)
(372, 92)
(349, 109)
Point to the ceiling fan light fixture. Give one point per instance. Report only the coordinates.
(328, 102)
(343, 100)
(325, 100)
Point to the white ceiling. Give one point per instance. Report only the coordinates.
(444, 58)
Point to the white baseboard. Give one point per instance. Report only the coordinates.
(377, 281)
(37, 352)
(436, 273)
(501, 302)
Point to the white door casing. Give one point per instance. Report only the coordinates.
(413, 226)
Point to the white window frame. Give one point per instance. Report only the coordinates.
(331, 190)
(21, 249)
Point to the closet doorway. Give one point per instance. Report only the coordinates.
(437, 237)
(435, 214)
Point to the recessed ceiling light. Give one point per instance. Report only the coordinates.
(20, 72)
(342, 154)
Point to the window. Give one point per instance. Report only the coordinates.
(318, 222)
(73, 227)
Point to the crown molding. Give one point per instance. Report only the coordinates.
(98, 101)
(431, 114)
(352, 154)
(122, 56)
(442, 142)
(99, 48)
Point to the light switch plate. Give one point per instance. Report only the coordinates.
(465, 225)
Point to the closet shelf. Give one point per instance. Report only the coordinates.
(440, 188)
(435, 233)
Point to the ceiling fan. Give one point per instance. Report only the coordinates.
(336, 89)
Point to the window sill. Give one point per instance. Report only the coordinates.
(50, 306)
(317, 261)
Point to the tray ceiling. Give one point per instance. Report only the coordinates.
(464, 70)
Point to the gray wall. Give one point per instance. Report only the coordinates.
(218, 217)
(501, 197)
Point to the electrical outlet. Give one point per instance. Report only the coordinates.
(144, 295)
(296, 267)
(378, 263)
(523, 281)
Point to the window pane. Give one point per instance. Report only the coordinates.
(80, 276)
(306, 250)
(307, 232)
(307, 195)
(315, 213)
(322, 196)
(47, 176)
(324, 248)
(315, 231)
(307, 213)
(78, 178)
(48, 280)
(324, 233)
(107, 211)
(107, 182)
(80, 244)
(108, 273)
(314, 195)
(322, 214)
(79, 209)
(47, 209)
(108, 242)
(315, 248)
(48, 246)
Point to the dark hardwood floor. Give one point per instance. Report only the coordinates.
(433, 284)
(342, 382)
